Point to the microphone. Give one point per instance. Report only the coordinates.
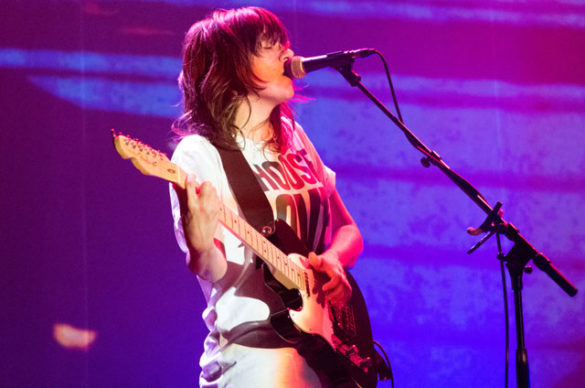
(298, 67)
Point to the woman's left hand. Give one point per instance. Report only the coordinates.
(337, 289)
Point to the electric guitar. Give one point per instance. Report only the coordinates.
(335, 340)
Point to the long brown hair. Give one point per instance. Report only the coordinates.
(217, 76)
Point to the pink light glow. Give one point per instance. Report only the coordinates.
(72, 337)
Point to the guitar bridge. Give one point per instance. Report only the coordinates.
(351, 353)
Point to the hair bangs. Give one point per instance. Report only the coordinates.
(265, 27)
(273, 30)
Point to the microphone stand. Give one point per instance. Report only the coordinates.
(516, 259)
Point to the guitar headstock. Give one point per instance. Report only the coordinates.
(146, 159)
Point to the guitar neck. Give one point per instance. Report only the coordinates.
(155, 163)
(261, 246)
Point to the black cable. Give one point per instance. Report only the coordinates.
(507, 322)
(387, 361)
(394, 99)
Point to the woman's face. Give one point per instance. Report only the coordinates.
(268, 66)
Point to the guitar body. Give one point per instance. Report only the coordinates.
(336, 341)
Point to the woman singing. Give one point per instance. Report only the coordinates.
(235, 97)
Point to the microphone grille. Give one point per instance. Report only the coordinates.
(294, 67)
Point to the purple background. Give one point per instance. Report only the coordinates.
(496, 87)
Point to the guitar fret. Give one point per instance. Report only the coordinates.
(251, 237)
(281, 260)
(273, 254)
(236, 225)
(267, 249)
(276, 255)
(248, 237)
(228, 219)
(264, 248)
(256, 239)
(294, 275)
(269, 253)
(299, 278)
(284, 267)
(222, 211)
(283, 263)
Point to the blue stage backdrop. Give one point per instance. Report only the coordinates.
(95, 291)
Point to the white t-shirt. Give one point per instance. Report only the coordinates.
(298, 186)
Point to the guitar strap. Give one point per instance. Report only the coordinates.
(247, 191)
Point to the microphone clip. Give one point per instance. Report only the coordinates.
(492, 224)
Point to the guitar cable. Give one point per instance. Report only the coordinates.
(383, 368)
